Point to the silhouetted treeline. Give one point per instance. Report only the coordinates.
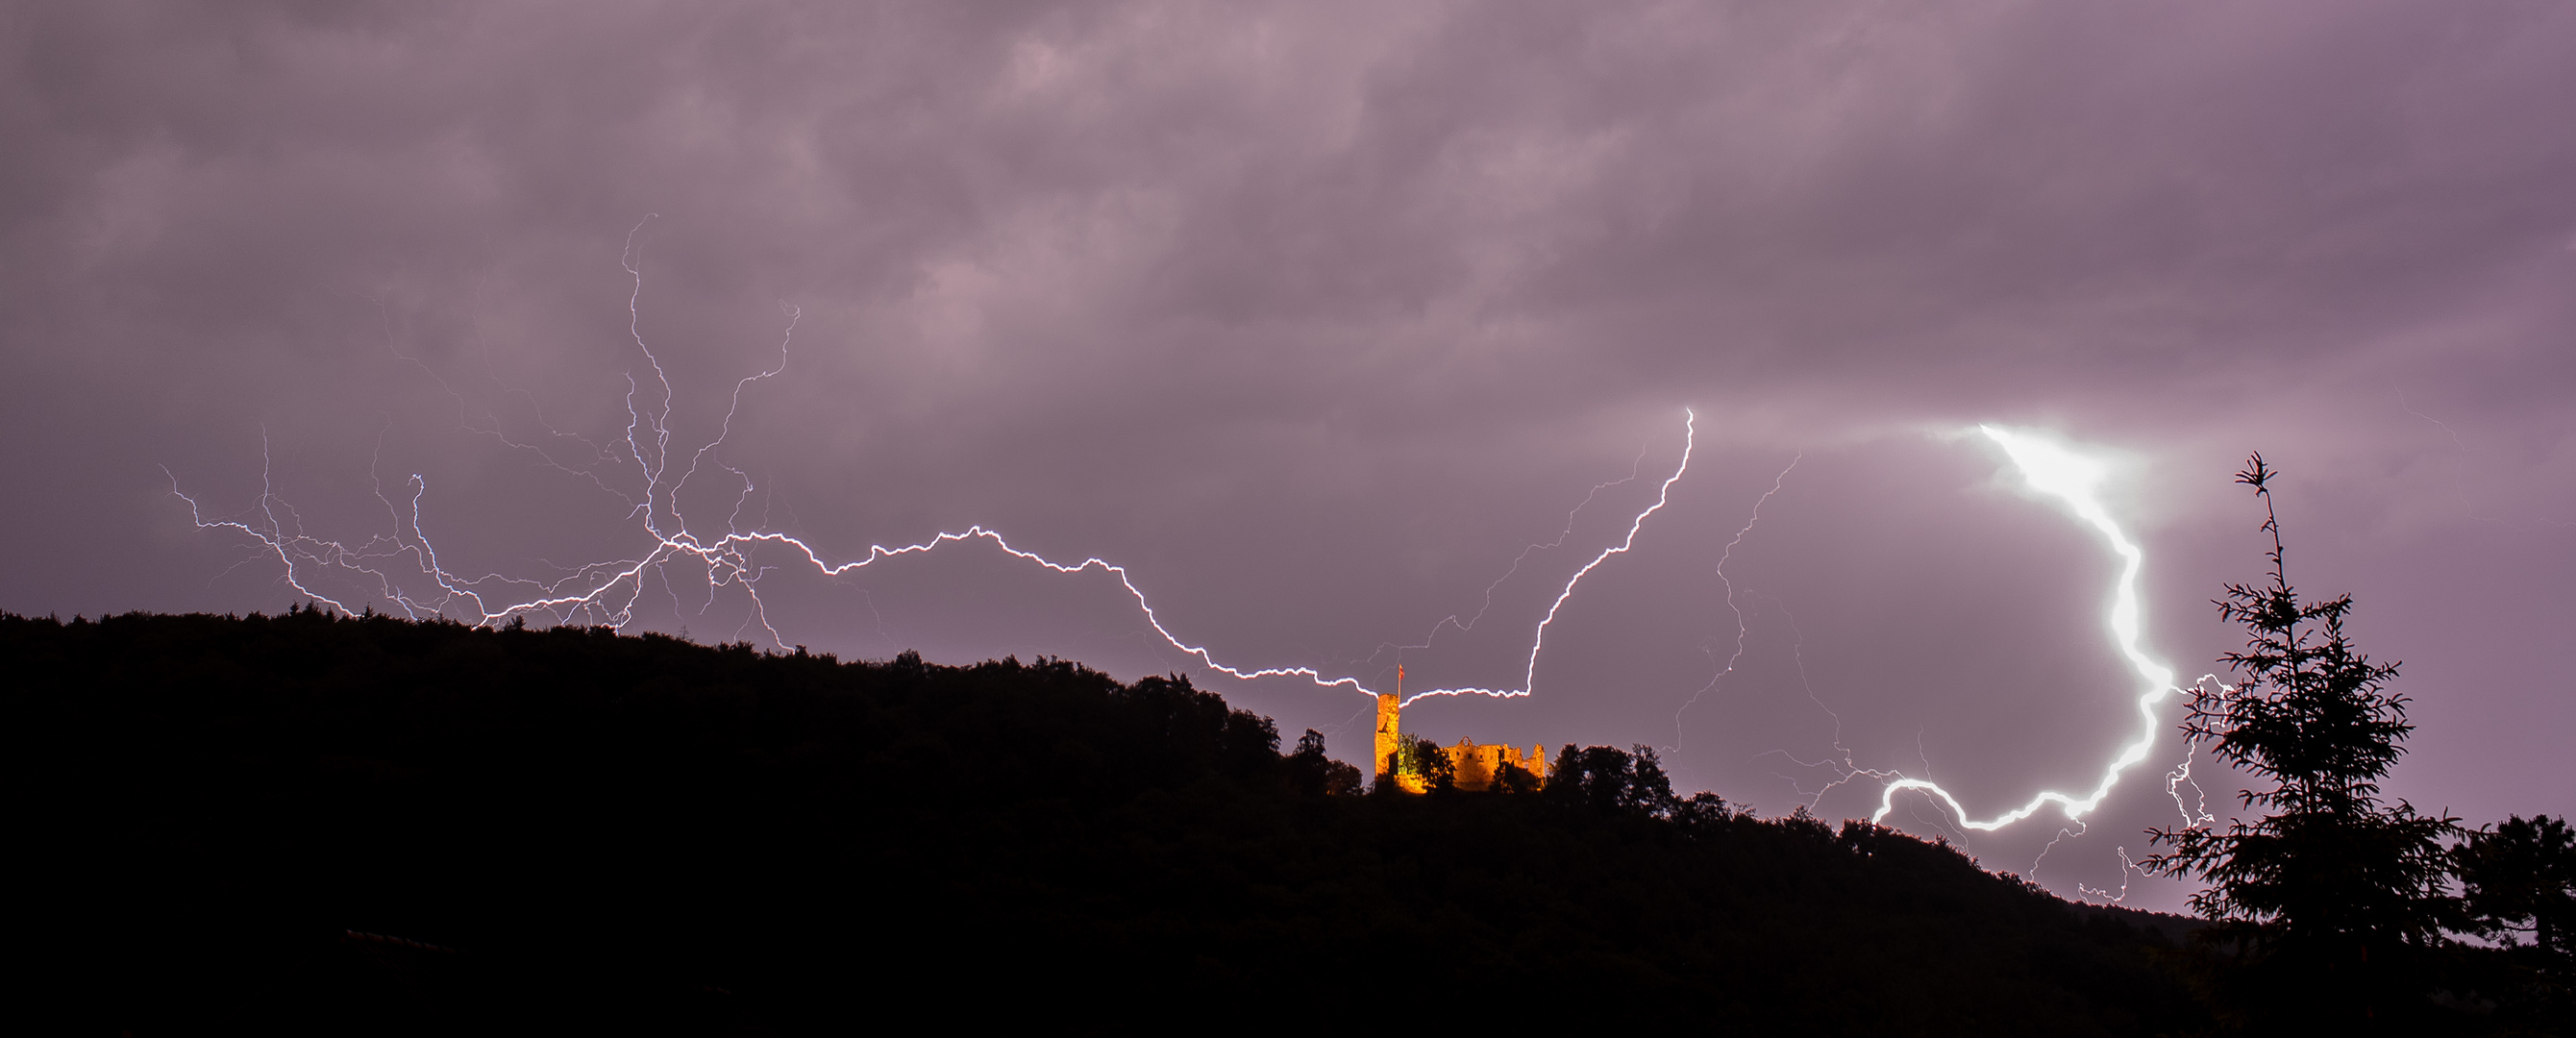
(310, 823)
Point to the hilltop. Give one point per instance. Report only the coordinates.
(310, 822)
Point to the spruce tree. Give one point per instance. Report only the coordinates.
(2329, 908)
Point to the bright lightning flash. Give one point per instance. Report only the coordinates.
(2075, 480)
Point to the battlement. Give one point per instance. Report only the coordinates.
(1472, 766)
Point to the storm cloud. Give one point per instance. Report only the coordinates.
(1318, 317)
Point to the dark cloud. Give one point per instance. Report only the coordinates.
(1316, 316)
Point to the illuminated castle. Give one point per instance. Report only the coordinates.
(1473, 767)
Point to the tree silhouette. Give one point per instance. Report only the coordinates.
(1607, 780)
(2520, 876)
(1422, 757)
(1311, 773)
(2327, 907)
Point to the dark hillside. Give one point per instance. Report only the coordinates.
(304, 823)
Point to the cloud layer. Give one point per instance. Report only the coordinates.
(1317, 316)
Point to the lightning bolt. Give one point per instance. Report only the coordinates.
(1740, 629)
(2196, 813)
(1561, 536)
(2126, 867)
(609, 591)
(2074, 480)
(1538, 638)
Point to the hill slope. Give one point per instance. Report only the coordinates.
(295, 822)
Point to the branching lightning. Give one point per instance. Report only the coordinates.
(607, 592)
(1741, 631)
(1561, 536)
(1538, 638)
(2107, 896)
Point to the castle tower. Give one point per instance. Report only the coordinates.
(1390, 725)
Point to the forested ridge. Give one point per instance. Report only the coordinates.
(324, 823)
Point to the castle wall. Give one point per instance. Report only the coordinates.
(1478, 768)
(1475, 768)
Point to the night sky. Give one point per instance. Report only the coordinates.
(1318, 317)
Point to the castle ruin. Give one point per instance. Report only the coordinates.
(1473, 767)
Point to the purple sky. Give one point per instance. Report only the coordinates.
(1316, 316)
